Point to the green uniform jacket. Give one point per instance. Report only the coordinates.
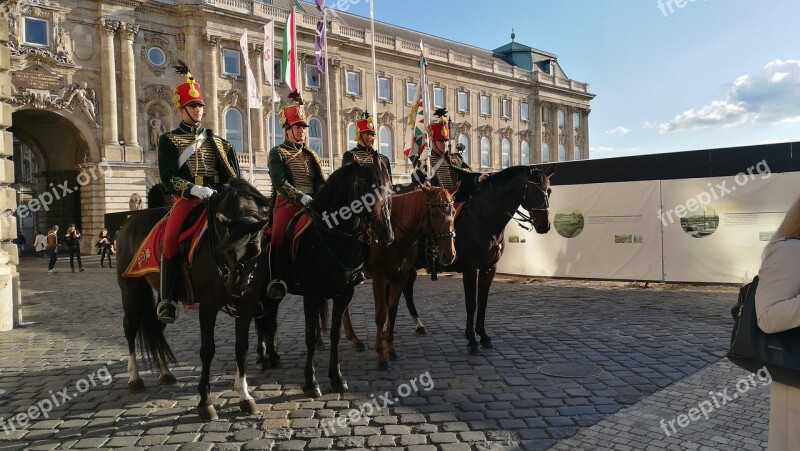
(281, 174)
(462, 172)
(179, 180)
(350, 156)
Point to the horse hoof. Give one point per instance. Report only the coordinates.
(472, 349)
(383, 366)
(486, 343)
(136, 386)
(421, 330)
(392, 356)
(207, 413)
(167, 379)
(248, 406)
(261, 364)
(342, 387)
(359, 346)
(313, 392)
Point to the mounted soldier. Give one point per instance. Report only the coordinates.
(364, 150)
(193, 163)
(296, 174)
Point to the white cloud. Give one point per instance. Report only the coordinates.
(618, 131)
(769, 97)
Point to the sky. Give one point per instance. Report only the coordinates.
(669, 75)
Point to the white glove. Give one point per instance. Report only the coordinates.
(306, 200)
(201, 192)
(483, 177)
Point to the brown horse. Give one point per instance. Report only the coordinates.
(427, 212)
(479, 240)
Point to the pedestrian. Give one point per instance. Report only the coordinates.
(40, 243)
(777, 310)
(73, 239)
(51, 248)
(104, 243)
(20, 242)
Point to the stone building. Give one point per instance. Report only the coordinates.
(87, 87)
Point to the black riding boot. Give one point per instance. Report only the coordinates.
(276, 288)
(167, 308)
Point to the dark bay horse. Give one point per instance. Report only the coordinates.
(479, 236)
(221, 274)
(327, 254)
(427, 212)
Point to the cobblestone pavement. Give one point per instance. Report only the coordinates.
(659, 353)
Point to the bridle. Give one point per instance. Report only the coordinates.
(446, 207)
(241, 267)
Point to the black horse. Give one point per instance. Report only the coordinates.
(328, 253)
(221, 274)
(479, 236)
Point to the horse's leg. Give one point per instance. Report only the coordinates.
(408, 294)
(393, 297)
(246, 402)
(350, 332)
(381, 310)
(340, 304)
(485, 278)
(470, 281)
(208, 317)
(311, 307)
(261, 345)
(131, 325)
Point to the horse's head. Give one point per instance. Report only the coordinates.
(240, 215)
(440, 216)
(536, 197)
(381, 218)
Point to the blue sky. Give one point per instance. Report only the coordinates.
(710, 73)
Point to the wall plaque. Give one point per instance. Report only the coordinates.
(38, 77)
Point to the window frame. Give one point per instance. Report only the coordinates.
(576, 153)
(238, 54)
(352, 142)
(467, 146)
(410, 92)
(388, 81)
(277, 71)
(524, 117)
(163, 56)
(228, 130)
(466, 101)
(505, 152)
(523, 159)
(444, 97)
(561, 117)
(562, 152)
(311, 74)
(316, 139)
(357, 74)
(389, 144)
(47, 33)
(488, 152)
(505, 108)
(545, 153)
(488, 99)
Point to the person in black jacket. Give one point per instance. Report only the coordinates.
(73, 240)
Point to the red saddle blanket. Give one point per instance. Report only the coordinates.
(300, 226)
(148, 256)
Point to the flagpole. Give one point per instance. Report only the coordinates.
(274, 89)
(374, 71)
(249, 120)
(327, 87)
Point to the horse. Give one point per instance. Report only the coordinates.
(479, 237)
(327, 254)
(221, 273)
(427, 212)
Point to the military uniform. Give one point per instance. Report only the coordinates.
(362, 153)
(188, 157)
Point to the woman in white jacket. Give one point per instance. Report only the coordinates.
(778, 309)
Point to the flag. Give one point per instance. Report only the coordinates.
(419, 116)
(319, 39)
(269, 48)
(290, 54)
(253, 94)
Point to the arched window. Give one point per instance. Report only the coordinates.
(315, 137)
(562, 153)
(486, 152)
(385, 136)
(576, 153)
(505, 153)
(233, 129)
(351, 135)
(274, 125)
(545, 153)
(524, 153)
(464, 139)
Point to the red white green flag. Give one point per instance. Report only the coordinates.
(419, 117)
(289, 60)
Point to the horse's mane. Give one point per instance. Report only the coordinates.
(508, 173)
(408, 204)
(345, 175)
(242, 188)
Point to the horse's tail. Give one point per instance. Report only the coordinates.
(151, 333)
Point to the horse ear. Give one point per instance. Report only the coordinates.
(550, 170)
(223, 219)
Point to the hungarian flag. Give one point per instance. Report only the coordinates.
(419, 117)
(290, 53)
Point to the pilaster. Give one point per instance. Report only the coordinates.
(130, 133)
(108, 81)
(210, 97)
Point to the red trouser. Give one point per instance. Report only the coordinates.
(282, 213)
(177, 216)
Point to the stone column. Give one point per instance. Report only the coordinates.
(108, 81)
(257, 116)
(335, 143)
(585, 133)
(570, 131)
(129, 116)
(10, 299)
(210, 89)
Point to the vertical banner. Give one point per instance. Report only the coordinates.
(290, 53)
(253, 93)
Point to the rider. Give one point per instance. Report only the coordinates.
(296, 174)
(192, 162)
(363, 151)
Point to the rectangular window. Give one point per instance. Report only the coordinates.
(384, 88)
(505, 108)
(545, 115)
(576, 120)
(36, 31)
(230, 62)
(312, 76)
(353, 83)
(463, 101)
(485, 105)
(562, 118)
(411, 90)
(438, 97)
(523, 111)
(278, 71)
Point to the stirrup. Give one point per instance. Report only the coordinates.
(276, 289)
(167, 311)
(357, 278)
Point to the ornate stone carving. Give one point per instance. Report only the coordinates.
(231, 98)
(37, 99)
(83, 99)
(485, 130)
(545, 136)
(180, 41)
(463, 128)
(156, 40)
(335, 63)
(58, 47)
(562, 138)
(129, 31)
(506, 133)
(157, 128)
(152, 93)
(525, 135)
(386, 118)
(135, 202)
(212, 41)
(109, 26)
(315, 108)
(352, 115)
(258, 49)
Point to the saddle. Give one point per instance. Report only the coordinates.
(294, 228)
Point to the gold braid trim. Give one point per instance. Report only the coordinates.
(224, 155)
